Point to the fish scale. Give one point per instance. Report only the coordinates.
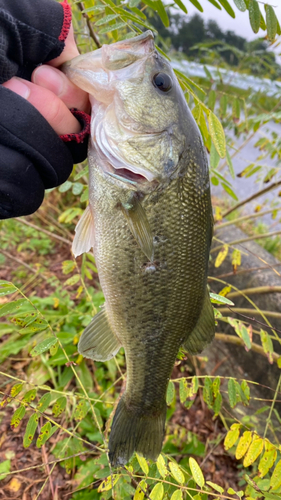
(149, 221)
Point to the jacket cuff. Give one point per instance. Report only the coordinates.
(66, 20)
(85, 122)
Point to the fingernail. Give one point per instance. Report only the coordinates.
(18, 87)
(49, 78)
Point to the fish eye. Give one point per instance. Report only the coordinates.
(162, 81)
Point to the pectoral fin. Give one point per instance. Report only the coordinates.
(84, 233)
(98, 341)
(204, 330)
(139, 226)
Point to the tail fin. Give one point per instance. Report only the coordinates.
(132, 431)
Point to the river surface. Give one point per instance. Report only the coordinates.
(248, 154)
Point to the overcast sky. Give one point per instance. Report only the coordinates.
(240, 25)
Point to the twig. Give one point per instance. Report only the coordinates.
(243, 271)
(249, 238)
(245, 217)
(257, 321)
(48, 233)
(255, 290)
(244, 310)
(237, 341)
(19, 261)
(252, 197)
(91, 31)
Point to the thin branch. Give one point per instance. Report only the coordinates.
(89, 24)
(230, 339)
(40, 229)
(245, 271)
(252, 197)
(245, 217)
(255, 290)
(244, 310)
(249, 238)
(21, 262)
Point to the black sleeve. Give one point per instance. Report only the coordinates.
(31, 32)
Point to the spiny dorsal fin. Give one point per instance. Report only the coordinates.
(204, 330)
(84, 238)
(139, 226)
(98, 341)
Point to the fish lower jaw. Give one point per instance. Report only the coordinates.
(133, 180)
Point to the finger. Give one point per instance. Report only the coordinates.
(57, 82)
(48, 104)
(70, 50)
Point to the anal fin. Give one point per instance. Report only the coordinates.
(98, 341)
(204, 331)
(84, 233)
(139, 226)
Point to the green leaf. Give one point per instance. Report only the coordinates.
(219, 299)
(240, 4)
(267, 345)
(184, 390)
(230, 165)
(161, 466)
(243, 444)
(46, 432)
(197, 5)
(176, 472)
(139, 493)
(181, 5)
(208, 391)
(271, 22)
(177, 495)
(43, 346)
(16, 389)
(217, 134)
(18, 416)
(254, 15)
(81, 409)
(7, 289)
(196, 472)
(29, 396)
(5, 468)
(215, 487)
(160, 8)
(214, 157)
(11, 307)
(232, 393)
(254, 451)
(229, 191)
(157, 492)
(217, 404)
(109, 29)
(275, 481)
(72, 280)
(59, 406)
(65, 187)
(232, 436)
(44, 402)
(227, 7)
(171, 392)
(30, 430)
(215, 4)
(105, 20)
(68, 266)
(143, 464)
(212, 100)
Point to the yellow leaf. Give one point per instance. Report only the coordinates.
(217, 134)
(161, 466)
(243, 445)
(157, 492)
(236, 259)
(177, 495)
(225, 291)
(139, 493)
(232, 436)
(254, 451)
(221, 256)
(108, 484)
(196, 472)
(143, 464)
(275, 481)
(268, 459)
(14, 485)
(176, 472)
(218, 214)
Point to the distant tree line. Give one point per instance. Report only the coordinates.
(208, 43)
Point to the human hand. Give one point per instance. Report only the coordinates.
(52, 94)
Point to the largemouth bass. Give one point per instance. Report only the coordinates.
(149, 222)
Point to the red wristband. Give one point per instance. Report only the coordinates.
(85, 121)
(66, 20)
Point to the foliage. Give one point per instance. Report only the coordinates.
(66, 403)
